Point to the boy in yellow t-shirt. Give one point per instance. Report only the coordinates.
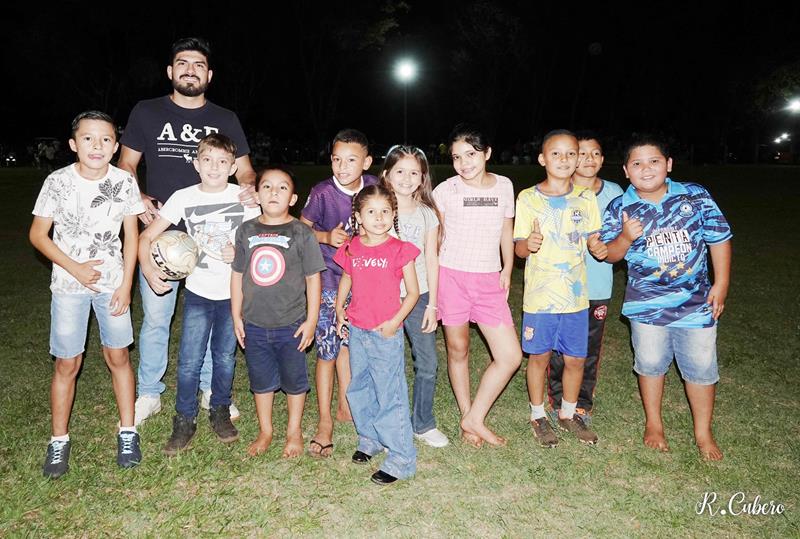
(556, 222)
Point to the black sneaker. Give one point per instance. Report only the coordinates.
(183, 428)
(56, 463)
(220, 418)
(128, 452)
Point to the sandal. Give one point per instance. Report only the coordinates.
(319, 453)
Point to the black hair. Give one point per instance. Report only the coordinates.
(379, 190)
(351, 136)
(279, 168)
(556, 133)
(470, 134)
(92, 115)
(588, 134)
(647, 139)
(198, 44)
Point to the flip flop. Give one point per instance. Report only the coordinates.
(319, 454)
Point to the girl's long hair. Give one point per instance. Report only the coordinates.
(424, 193)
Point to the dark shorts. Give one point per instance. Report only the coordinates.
(567, 333)
(273, 360)
(325, 337)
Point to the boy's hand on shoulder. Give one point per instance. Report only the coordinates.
(598, 249)
(151, 206)
(85, 273)
(228, 253)
(120, 301)
(338, 236)
(631, 228)
(156, 279)
(716, 298)
(535, 238)
(387, 329)
(248, 196)
(306, 334)
(238, 330)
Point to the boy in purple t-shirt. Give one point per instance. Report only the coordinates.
(327, 212)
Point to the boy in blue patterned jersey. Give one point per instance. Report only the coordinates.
(662, 228)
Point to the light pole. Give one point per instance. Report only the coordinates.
(405, 71)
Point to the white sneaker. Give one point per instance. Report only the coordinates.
(146, 405)
(433, 437)
(205, 404)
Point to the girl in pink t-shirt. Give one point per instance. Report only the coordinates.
(374, 263)
(477, 211)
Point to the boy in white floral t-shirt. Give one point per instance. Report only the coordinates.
(85, 203)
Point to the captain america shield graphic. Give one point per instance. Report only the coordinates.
(267, 266)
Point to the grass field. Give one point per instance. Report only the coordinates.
(615, 489)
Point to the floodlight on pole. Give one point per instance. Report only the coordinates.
(405, 71)
(794, 105)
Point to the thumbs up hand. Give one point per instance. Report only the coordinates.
(631, 228)
(337, 236)
(598, 249)
(534, 242)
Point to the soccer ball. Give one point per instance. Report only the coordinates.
(175, 253)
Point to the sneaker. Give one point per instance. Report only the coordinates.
(56, 463)
(433, 437)
(576, 426)
(205, 404)
(146, 405)
(183, 429)
(128, 452)
(585, 415)
(543, 432)
(220, 418)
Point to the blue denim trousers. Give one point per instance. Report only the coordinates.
(200, 316)
(423, 352)
(378, 397)
(154, 340)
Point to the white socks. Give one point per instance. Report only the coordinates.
(567, 409)
(62, 438)
(537, 411)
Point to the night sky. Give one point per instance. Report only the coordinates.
(710, 77)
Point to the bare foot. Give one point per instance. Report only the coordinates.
(708, 448)
(654, 438)
(343, 415)
(260, 444)
(471, 439)
(294, 445)
(321, 444)
(480, 430)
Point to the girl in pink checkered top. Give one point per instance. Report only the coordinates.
(477, 210)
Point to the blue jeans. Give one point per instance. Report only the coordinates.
(378, 397)
(423, 351)
(154, 340)
(200, 315)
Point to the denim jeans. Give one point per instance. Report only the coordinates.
(378, 397)
(200, 315)
(154, 340)
(423, 351)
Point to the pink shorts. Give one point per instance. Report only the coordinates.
(472, 297)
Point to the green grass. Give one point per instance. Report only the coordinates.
(616, 489)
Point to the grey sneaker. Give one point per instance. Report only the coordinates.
(220, 418)
(183, 429)
(576, 426)
(128, 452)
(543, 432)
(56, 463)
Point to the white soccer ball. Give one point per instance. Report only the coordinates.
(175, 253)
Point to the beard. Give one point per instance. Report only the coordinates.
(191, 89)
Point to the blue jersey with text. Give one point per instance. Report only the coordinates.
(667, 266)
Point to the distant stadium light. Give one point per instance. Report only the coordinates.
(777, 140)
(784, 135)
(405, 71)
(794, 105)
